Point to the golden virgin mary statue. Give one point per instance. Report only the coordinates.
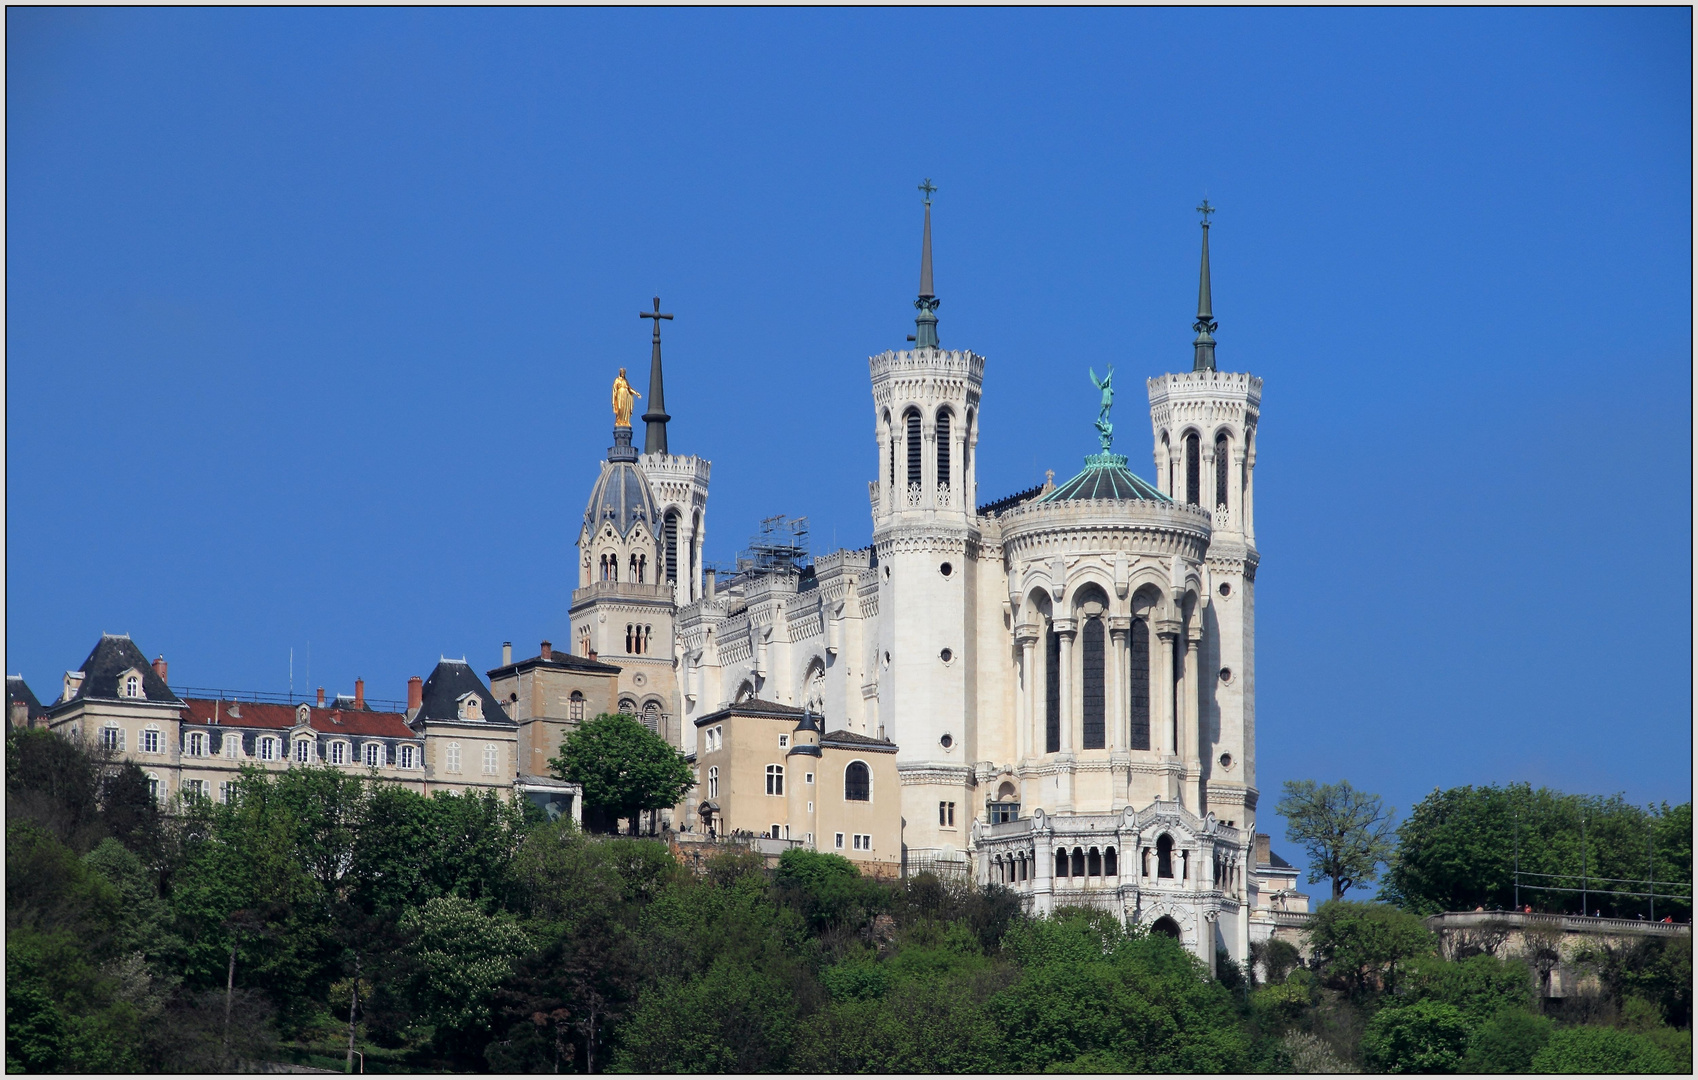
(624, 400)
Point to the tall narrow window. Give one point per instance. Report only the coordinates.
(943, 448)
(453, 756)
(1052, 691)
(1164, 856)
(1094, 684)
(575, 706)
(913, 423)
(671, 535)
(775, 779)
(491, 758)
(1192, 466)
(1140, 685)
(713, 781)
(1220, 470)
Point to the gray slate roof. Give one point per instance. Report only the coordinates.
(112, 655)
(451, 680)
(17, 690)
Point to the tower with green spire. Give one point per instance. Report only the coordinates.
(1204, 344)
(925, 325)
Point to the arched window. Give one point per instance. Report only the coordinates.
(453, 756)
(1164, 856)
(409, 757)
(890, 435)
(1052, 690)
(1093, 863)
(155, 789)
(374, 754)
(670, 536)
(1061, 863)
(1094, 684)
(912, 422)
(651, 716)
(775, 779)
(197, 744)
(943, 478)
(1078, 862)
(303, 750)
(713, 781)
(1192, 466)
(132, 686)
(628, 706)
(627, 637)
(575, 706)
(491, 758)
(633, 574)
(1167, 456)
(1140, 685)
(1166, 926)
(338, 753)
(1111, 865)
(1220, 469)
(858, 782)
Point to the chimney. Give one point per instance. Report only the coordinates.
(1264, 849)
(708, 577)
(592, 654)
(506, 653)
(160, 667)
(321, 697)
(359, 693)
(415, 693)
(547, 650)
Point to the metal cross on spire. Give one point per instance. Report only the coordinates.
(927, 188)
(1205, 210)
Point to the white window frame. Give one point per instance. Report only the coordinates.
(152, 741)
(266, 748)
(155, 787)
(713, 781)
(783, 742)
(199, 743)
(809, 777)
(372, 755)
(304, 751)
(133, 685)
(451, 757)
(409, 757)
(491, 759)
(338, 752)
(226, 791)
(775, 773)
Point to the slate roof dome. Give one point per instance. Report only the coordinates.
(621, 495)
(1106, 477)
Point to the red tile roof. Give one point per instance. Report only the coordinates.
(362, 722)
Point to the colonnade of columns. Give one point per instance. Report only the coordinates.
(960, 480)
(1175, 688)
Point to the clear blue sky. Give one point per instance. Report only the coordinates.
(311, 316)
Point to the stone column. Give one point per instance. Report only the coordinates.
(1065, 629)
(1164, 691)
(928, 462)
(1025, 636)
(1120, 691)
(1194, 683)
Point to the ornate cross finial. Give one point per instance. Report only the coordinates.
(928, 189)
(1205, 210)
(655, 315)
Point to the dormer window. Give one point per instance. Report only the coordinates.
(132, 685)
(471, 707)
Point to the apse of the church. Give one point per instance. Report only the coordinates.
(1093, 684)
(1140, 685)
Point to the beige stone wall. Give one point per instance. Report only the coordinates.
(539, 700)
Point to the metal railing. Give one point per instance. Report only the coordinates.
(260, 697)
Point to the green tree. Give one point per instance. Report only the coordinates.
(623, 767)
(1346, 833)
(1459, 849)
(1480, 986)
(1364, 945)
(462, 954)
(732, 1019)
(1423, 1037)
(1507, 1043)
(1604, 1050)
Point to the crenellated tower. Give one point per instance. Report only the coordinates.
(925, 405)
(1204, 424)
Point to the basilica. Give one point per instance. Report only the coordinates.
(1053, 690)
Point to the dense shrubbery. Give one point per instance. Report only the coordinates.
(458, 933)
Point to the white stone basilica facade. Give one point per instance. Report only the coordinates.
(1068, 673)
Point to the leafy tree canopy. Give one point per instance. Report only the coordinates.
(1346, 833)
(623, 766)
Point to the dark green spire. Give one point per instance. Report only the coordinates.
(1205, 324)
(925, 326)
(654, 438)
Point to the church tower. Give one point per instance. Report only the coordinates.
(925, 406)
(680, 486)
(1204, 423)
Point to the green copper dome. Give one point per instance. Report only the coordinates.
(1106, 477)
